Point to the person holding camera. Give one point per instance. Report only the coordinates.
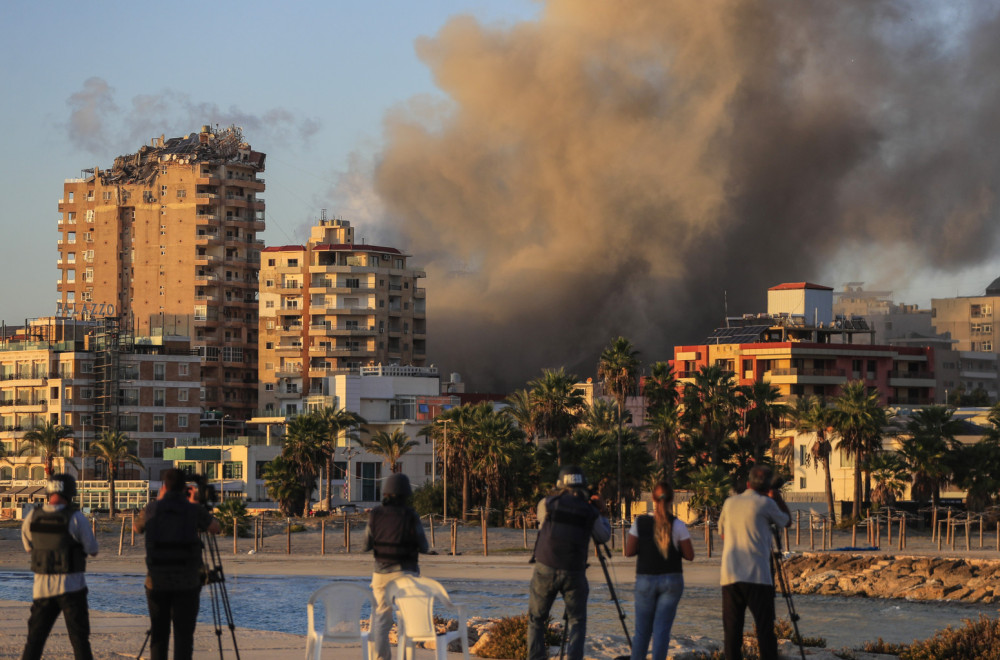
(59, 539)
(658, 542)
(172, 525)
(745, 525)
(397, 538)
(569, 518)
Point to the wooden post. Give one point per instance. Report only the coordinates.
(878, 531)
(902, 531)
(980, 531)
(948, 538)
(798, 527)
(708, 536)
(786, 538)
(454, 537)
(132, 528)
(288, 536)
(235, 535)
(951, 533)
(524, 529)
(93, 525)
(888, 528)
(711, 537)
(854, 534)
(934, 525)
(812, 539)
(482, 523)
(968, 528)
(322, 536)
(430, 519)
(824, 532)
(347, 535)
(121, 538)
(623, 538)
(998, 536)
(939, 539)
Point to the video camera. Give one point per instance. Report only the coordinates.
(201, 492)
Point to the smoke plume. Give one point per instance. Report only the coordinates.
(99, 126)
(627, 167)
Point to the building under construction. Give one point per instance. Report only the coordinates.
(167, 241)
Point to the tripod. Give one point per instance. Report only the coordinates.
(602, 557)
(778, 568)
(214, 577)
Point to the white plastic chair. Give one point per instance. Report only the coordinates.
(413, 599)
(342, 602)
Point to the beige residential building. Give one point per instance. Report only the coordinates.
(969, 320)
(333, 306)
(166, 239)
(89, 376)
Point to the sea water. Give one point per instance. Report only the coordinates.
(278, 603)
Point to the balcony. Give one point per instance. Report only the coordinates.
(289, 348)
(290, 311)
(289, 372)
(294, 329)
(785, 376)
(912, 379)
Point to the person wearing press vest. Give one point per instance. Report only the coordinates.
(172, 526)
(747, 525)
(59, 538)
(396, 537)
(658, 542)
(569, 518)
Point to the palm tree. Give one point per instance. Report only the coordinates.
(662, 427)
(927, 450)
(858, 419)
(390, 446)
(889, 472)
(48, 441)
(762, 412)
(337, 422)
(811, 415)
(284, 486)
(709, 488)
(520, 409)
(495, 442)
(304, 448)
(555, 401)
(618, 369)
(709, 411)
(602, 415)
(115, 449)
(977, 471)
(660, 388)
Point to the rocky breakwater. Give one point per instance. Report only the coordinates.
(914, 578)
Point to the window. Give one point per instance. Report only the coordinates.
(158, 423)
(158, 448)
(183, 369)
(159, 371)
(106, 196)
(182, 421)
(128, 397)
(368, 477)
(128, 422)
(71, 217)
(181, 193)
(71, 275)
(268, 387)
(232, 470)
(270, 262)
(261, 466)
(802, 483)
(71, 237)
(352, 282)
(71, 257)
(182, 395)
(269, 304)
(293, 263)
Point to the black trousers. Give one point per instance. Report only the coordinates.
(44, 613)
(179, 608)
(736, 598)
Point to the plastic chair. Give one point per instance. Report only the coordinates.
(342, 602)
(413, 599)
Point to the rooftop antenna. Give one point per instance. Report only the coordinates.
(725, 306)
(322, 216)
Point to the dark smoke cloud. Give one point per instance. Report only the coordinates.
(98, 126)
(619, 168)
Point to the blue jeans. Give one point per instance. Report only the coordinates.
(656, 599)
(545, 584)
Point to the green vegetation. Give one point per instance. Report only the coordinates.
(229, 511)
(508, 638)
(976, 640)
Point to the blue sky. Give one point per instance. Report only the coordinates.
(319, 75)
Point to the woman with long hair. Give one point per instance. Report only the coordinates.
(658, 542)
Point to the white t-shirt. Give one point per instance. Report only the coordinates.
(678, 533)
(745, 524)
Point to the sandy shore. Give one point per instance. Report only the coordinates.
(121, 635)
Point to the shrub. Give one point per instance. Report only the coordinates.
(227, 511)
(509, 638)
(976, 639)
(428, 499)
(883, 647)
(785, 630)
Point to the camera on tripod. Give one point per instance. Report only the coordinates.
(201, 492)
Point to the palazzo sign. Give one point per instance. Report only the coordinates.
(84, 310)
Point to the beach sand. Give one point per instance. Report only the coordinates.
(121, 635)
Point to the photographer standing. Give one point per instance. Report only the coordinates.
(174, 560)
(396, 536)
(59, 539)
(746, 527)
(569, 518)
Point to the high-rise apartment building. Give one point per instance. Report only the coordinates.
(166, 239)
(334, 306)
(969, 320)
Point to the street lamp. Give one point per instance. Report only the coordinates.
(222, 457)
